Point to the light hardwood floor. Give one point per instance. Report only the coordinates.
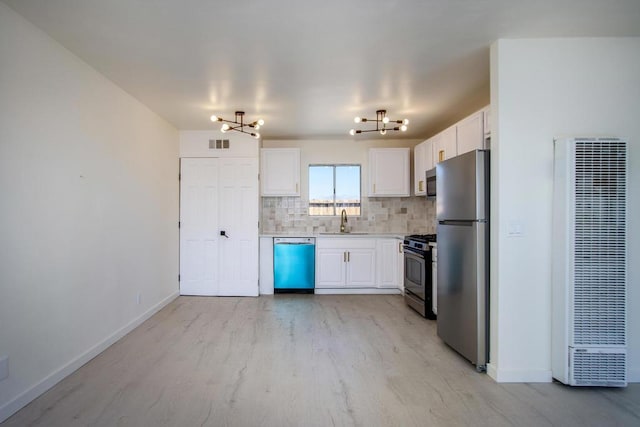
(304, 360)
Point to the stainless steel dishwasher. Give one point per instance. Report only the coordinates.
(294, 264)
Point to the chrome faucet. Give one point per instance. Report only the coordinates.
(343, 220)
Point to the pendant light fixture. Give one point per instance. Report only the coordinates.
(382, 124)
(238, 124)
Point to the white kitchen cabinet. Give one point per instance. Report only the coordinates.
(390, 261)
(389, 172)
(445, 145)
(345, 263)
(280, 172)
(470, 133)
(486, 115)
(422, 162)
(266, 266)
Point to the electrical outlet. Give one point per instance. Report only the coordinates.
(4, 367)
(138, 298)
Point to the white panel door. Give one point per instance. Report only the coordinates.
(330, 267)
(280, 171)
(239, 220)
(199, 227)
(389, 172)
(387, 275)
(361, 268)
(470, 133)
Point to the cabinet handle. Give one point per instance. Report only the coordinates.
(348, 256)
(440, 155)
(399, 247)
(344, 257)
(420, 185)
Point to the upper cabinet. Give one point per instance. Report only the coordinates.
(422, 162)
(486, 111)
(471, 133)
(389, 172)
(445, 146)
(280, 171)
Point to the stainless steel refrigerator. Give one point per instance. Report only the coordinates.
(462, 208)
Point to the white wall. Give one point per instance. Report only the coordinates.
(89, 186)
(541, 89)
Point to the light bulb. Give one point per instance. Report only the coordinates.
(256, 127)
(405, 122)
(224, 128)
(352, 132)
(383, 131)
(215, 118)
(385, 120)
(403, 128)
(357, 120)
(260, 122)
(256, 135)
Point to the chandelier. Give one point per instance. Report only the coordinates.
(238, 124)
(383, 124)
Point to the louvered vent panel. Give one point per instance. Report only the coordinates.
(600, 243)
(598, 368)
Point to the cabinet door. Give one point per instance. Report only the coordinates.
(419, 168)
(487, 120)
(389, 172)
(361, 269)
(445, 145)
(280, 171)
(387, 263)
(330, 268)
(470, 133)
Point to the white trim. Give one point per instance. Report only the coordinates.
(52, 379)
(353, 291)
(519, 375)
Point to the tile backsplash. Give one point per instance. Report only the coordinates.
(401, 215)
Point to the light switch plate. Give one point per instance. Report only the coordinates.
(4, 367)
(515, 229)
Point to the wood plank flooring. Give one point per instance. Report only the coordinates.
(304, 360)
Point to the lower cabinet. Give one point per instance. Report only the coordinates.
(359, 264)
(345, 263)
(389, 263)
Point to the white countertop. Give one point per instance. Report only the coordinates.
(336, 235)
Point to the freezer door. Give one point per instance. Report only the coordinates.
(462, 289)
(462, 187)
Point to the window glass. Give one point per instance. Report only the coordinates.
(348, 189)
(333, 188)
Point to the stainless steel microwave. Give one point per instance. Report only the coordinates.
(431, 183)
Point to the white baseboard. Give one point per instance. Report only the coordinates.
(52, 379)
(353, 291)
(518, 375)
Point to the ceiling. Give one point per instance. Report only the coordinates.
(307, 68)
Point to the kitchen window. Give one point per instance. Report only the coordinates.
(333, 188)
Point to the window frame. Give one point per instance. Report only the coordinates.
(335, 207)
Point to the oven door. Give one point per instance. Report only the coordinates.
(414, 273)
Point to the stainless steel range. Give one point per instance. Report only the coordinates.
(418, 280)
